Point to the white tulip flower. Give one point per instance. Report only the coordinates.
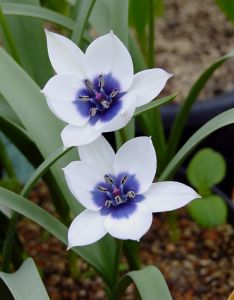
(118, 192)
(96, 91)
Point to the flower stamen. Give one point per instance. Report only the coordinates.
(92, 111)
(131, 194)
(101, 81)
(108, 203)
(105, 104)
(114, 93)
(102, 189)
(108, 179)
(124, 179)
(84, 98)
(89, 85)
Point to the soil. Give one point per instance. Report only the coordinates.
(198, 266)
(190, 37)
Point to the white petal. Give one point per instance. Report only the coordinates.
(107, 54)
(98, 154)
(148, 84)
(123, 117)
(169, 195)
(82, 179)
(132, 227)
(87, 228)
(65, 56)
(78, 136)
(61, 92)
(138, 157)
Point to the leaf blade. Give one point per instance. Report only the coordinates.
(25, 283)
(149, 282)
(223, 119)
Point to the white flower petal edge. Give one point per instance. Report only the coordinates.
(65, 56)
(99, 154)
(77, 136)
(107, 54)
(87, 228)
(137, 156)
(60, 92)
(148, 84)
(132, 227)
(169, 195)
(81, 179)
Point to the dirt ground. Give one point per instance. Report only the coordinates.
(191, 36)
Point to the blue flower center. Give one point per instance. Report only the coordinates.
(115, 191)
(100, 99)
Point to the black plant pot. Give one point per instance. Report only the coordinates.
(222, 140)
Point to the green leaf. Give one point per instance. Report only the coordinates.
(42, 169)
(37, 12)
(206, 169)
(153, 104)
(208, 211)
(119, 19)
(11, 126)
(150, 284)
(24, 96)
(182, 116)
(83, 13)
(227, 6)
(104, 24)
(99, 255)
(223, 119)
(24, 284)
(29, 38)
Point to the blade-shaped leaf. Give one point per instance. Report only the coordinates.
(153, 104)
(29, 38)
(25, 283)
(214, 124)
(42, 169)
(100, 255)
(11, 126)
(227, 6)
(149, 282)
(83, 13)
(37, 12)
(24, 96)
(182, 116)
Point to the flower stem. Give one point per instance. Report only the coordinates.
(119, 247)
(6, 162)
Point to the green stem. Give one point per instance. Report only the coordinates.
(9, 242)
(131, 252)
(119, 247)
(6, 162)
(9, 38)
(152, 124)
(151, 45)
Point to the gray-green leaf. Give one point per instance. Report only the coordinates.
(208, 211)
(150, 284)
(24, 284)
(206, 169)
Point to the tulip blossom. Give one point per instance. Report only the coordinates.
(118, 192)
(96, 91)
